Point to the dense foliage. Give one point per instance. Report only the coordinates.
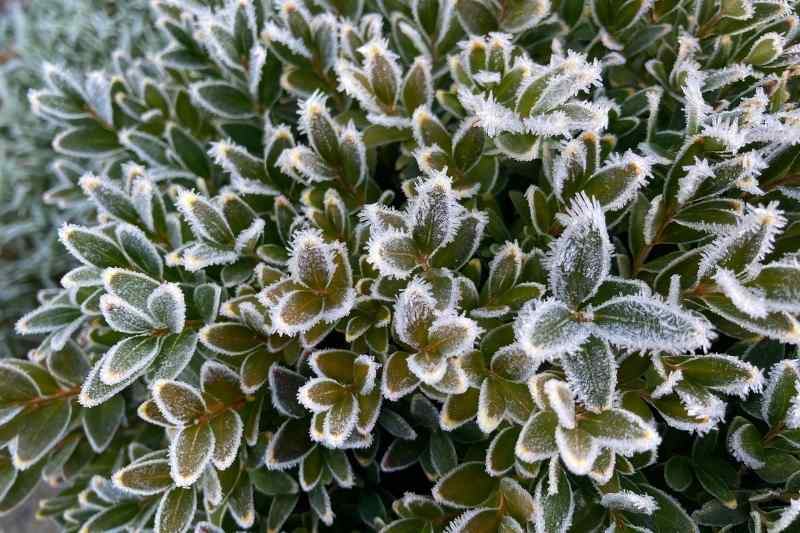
(74, 34)
(427, 265)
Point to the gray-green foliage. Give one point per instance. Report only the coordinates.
(73, 34)
(440, 265)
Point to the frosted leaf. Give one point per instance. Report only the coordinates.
(381, 217)
(476, 520)
(787, 517)
(340, 421)
(702, 405)
(180, 403)
(127, 357)
(783, 383)
(580, 259)
(200, 256)
(505, 268)
(382, 70)
(696, 109)
(778, 283)
(615, 184)
(646, 323)
(227, 428)
(512, 363)
(317, 124)
(167, 305)
(248, 239)
(189, 453)
(793, 414)
(560, 399)
(747, 244)
(739, 446)
(393, 253)
(577, 448)
(430, 368)
(584, 116)
(718, 78)
(311, 261)
(139, 249)
(628, 501)
(354, 83)
(205, 219)
(434, 213)
(554, 502)
(548, 328)
(452, 335)
(365, 373)
(123, 317)
(414, 313)
(91, 247)
(94, 392)
(454, 380)
(304, 165)
(776, 325)
(320, 394)
(727, 132)
(622, 431)
(667, 387)
(273, 32)
(592, 374)
(493, 117)
(569, 165)
(745, 299)
(491, 405)
(603, 468)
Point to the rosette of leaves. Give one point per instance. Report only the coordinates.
(353, 258)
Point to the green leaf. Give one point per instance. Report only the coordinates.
(678, 473)
(713, 480)
(91, 247)
(191, 449)
(114, 518)
(45, 425)
(500, 456)
(22, 488)
(466, 486)
(476, 17)
(668, 518)
(229, 338)
(128, 357)
(621, 429)
(87, 141)
(783, 386)
(592, 374)
(289, 445)
(222, 99)
(280, 510)
(580, 258)
(101, 423)
(176, 511)
(554, 503)
(180, 403)
(284, 386)
(144, 478)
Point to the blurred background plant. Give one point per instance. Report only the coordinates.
(33, 33)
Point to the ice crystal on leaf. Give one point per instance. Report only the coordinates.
(537, 262)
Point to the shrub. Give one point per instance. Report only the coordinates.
(463, 266)
(75, 34)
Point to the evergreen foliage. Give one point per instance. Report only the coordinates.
(431, 265)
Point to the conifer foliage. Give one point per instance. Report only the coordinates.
(433, 265)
